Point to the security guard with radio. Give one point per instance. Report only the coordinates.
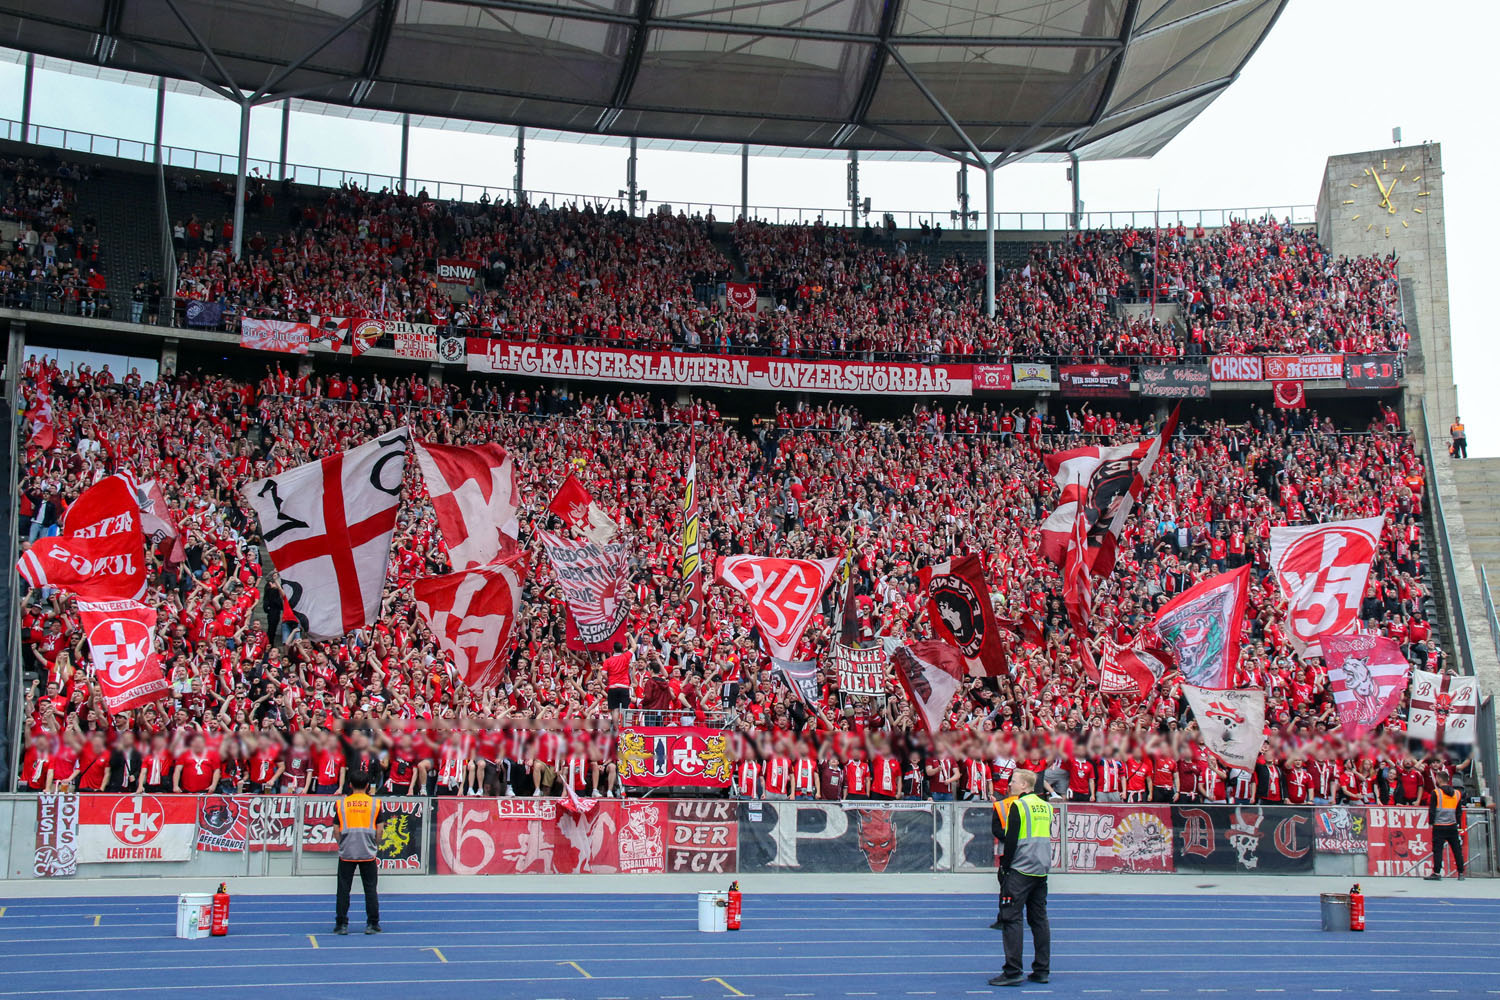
(359, 833)
(1023, 825)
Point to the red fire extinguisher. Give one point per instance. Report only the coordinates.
(732, 914)
(1356, 909)
(219, 925)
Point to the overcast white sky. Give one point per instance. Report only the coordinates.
(1333, 77)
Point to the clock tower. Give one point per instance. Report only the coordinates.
(1391, 201)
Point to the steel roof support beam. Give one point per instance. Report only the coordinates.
(629, 66)
(1127, 35)
(225, 79)
(380, 40)
(1151, 27)
(1215, 37)
(109, 26)
(873, 71)
(239, 179)
(1045, 117)
(26, 85)
(173, 68)
(338, 31)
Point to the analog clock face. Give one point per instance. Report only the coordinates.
(1390, 195)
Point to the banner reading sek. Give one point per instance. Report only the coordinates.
(669, 757)
(605, 364)
(517, 836)
(115, 828)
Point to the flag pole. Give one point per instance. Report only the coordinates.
(1155, 253)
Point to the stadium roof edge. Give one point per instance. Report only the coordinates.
(1099, 79)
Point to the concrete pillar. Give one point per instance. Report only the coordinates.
(286, 123)
(242, 167)
(963, 196)
(405, 147)
(521, 165)
(169, 356)
(26, 97)
(989, 239)
(1077, 201)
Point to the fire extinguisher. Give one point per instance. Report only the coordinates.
(1356, 909)
(219, 925)
(732, 915)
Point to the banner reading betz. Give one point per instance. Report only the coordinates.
(603, 364)
(1242, 839)
(1400, 841)
(1133, 838)
(671, 757)
(834, 837)
(1095, 381)
(517, 836)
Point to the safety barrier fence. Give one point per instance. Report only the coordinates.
(206, 161)
(224, 836)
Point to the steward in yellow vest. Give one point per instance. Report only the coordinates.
(1023, 824)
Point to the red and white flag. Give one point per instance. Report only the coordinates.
(1130, 669)
(1289, 395)
(783, 594)
(474, 495)
(931, 672)
(101, 552)
(121, 637)
(332, 330)
(1078, 582)
(275, 335)
(740, 295)
(1201, 628)
(958, 606)
(122, 828)
(1443, 707)
(1322, 570)
(327, 526)
(161, 530)
(594, 580)
(472, 614)
(1103, 483)
(574, 505)
(363, 334)
(40, 418)
(1367, 675)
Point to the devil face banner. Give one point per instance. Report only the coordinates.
(831, 837)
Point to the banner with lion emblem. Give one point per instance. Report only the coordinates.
(695, 757)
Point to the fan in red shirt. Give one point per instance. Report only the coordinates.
(197, 770)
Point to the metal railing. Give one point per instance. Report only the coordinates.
(1489, 753)
(208, 161)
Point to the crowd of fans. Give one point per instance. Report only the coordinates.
(256, 707)
(48, 258)
(587, 275)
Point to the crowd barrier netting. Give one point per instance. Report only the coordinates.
(223, 836)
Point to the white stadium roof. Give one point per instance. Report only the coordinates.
(1100, 79)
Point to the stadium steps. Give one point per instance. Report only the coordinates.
(1478, 481)
(125, 206)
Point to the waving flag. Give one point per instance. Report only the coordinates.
(930, 671)
(1367, 675)
(333, 330)
(328, 527)
(692, 559)
(1232, 723)
(1130, 669)
(1201, 628)
(574, 505)
(594, 583)
(101, 552)
(276, 335)
(121, 643)
(958, 606)
(801, 676)
(783, 594)
(40, 418)
(1104, 484)
(1322, 570)
(157, 524)
(1078, 584)
(472, 614)
(1443, 707)
(474, 495)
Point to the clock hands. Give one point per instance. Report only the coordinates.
(1385, 192)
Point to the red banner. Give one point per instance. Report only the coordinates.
(996, 378)
(606, 364)
(741, 296)
(116, 828)
(1131, 838)
(276, 335)
(121, 642)
(1294, 367)
(1400, 841)
(1094, 381)
(666, 757)
(520, 836)
(451, 271)
(702, 836)
(1236, 368)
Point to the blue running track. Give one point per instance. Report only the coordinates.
(793, 947)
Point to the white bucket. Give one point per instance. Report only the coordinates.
(713, 911)
(194, 914)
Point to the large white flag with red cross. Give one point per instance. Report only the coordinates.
(474, 495)
(328, 527)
